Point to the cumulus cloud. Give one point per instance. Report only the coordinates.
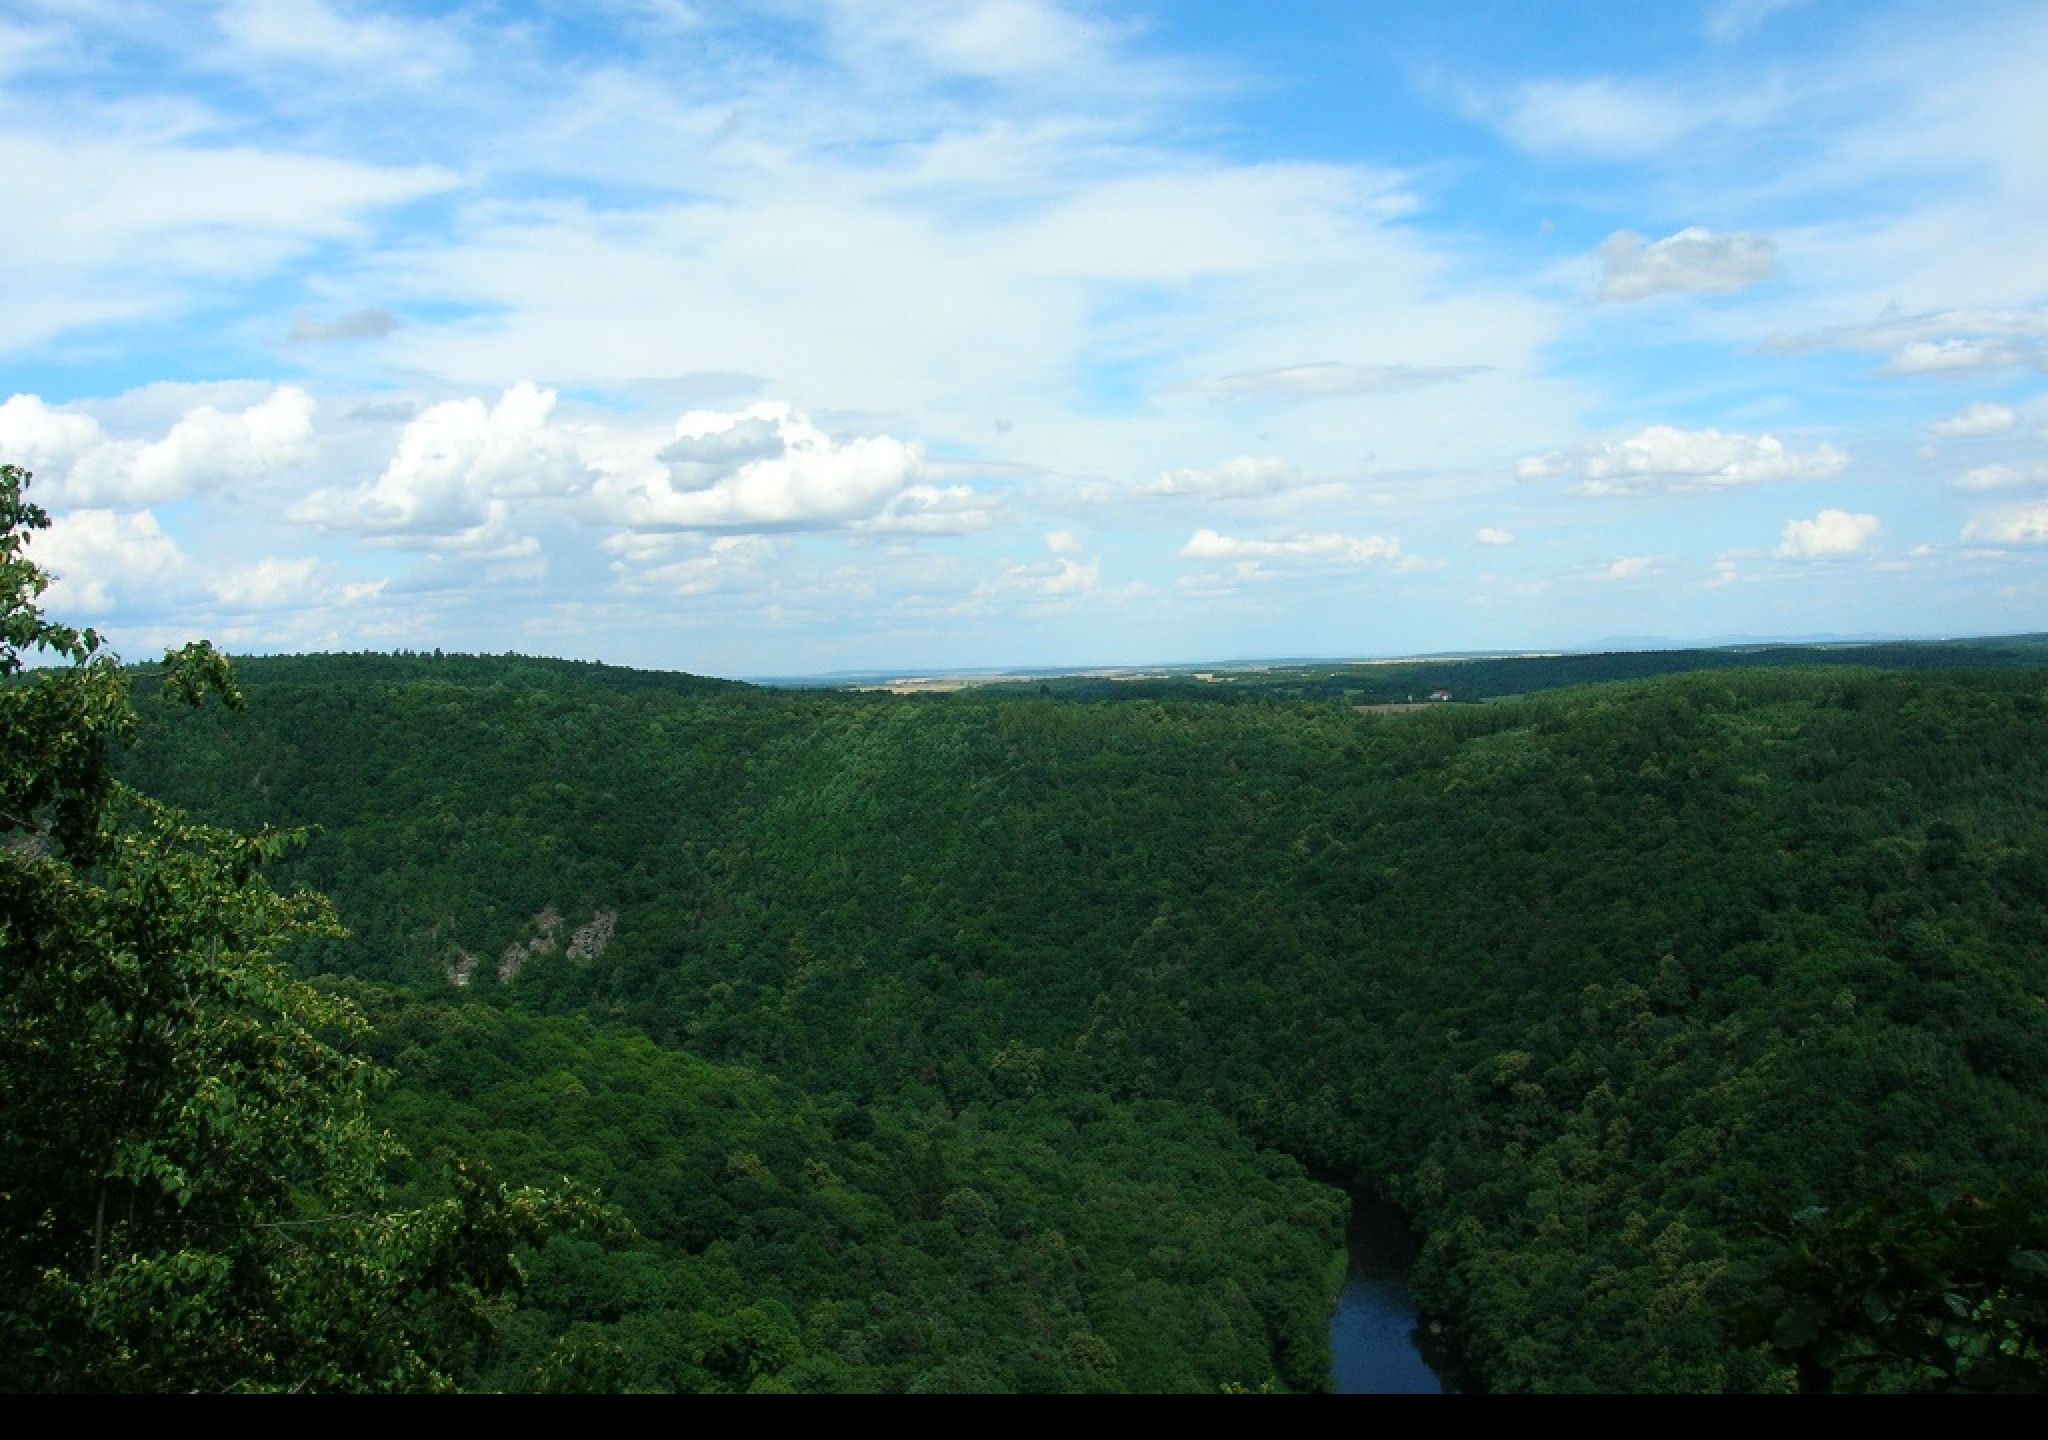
(1491, 536)
(1245, 477)
(1328, 548)
(457, 467)
(1664, 457)
(2003, 477)
(1830, 533)
(1309, 382)
(44, 441)
(768, 468)
(100, 556)
(83, 465)
(1630, 567)
(1982, 418)
(1694, 259)
(356, 325)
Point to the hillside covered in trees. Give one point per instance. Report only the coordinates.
(1017, 1040)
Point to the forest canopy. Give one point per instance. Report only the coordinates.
(1585, 981)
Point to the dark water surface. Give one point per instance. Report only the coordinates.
(1373, 1329)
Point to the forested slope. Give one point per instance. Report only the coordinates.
(1578, 979)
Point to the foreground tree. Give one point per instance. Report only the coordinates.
(191, 1194)
(1909, 1292)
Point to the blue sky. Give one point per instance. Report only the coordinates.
(783, 338)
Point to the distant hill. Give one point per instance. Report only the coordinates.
(1486, 677)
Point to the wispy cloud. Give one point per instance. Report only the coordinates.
(368, 324)
(1328, 547)
(1733, 21)
(1949, 342)
(1308, 382)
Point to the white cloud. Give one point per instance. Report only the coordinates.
(1062, 542)
(1982, 418)
(312, 31)
(933, 510)
(1007, 41)
(457, 466)
(1001, 38)
(100, 557)
(2003, 477)
(1491, 536)
(723, 563)
(1247, 476)
(82, 465)
(1603, 116)
(1959, 356)
(1060, 578)
(276, 584)
(20, 47)
(1630, 567)
(1927, 339)
(1663, 457)
(1694, 259)
(1326, 548)
(766, 468)
(2016, 525)
(44, 441)
(207, 444)
(1830, 533)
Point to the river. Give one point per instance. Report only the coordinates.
(1373, 1331)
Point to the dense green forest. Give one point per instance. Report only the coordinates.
(1014, 1039)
